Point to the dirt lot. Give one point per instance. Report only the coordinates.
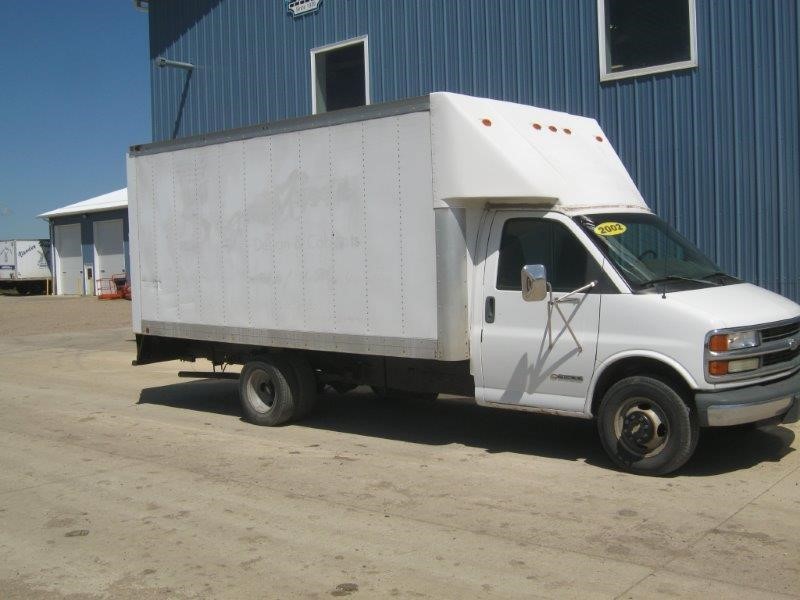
(27, 315)
(122, 482)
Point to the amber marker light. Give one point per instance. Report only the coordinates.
(568, 131)
(718, 367)
(718, 343)
(487, 122)
(536, 126)
(599, 138)
(553, 128)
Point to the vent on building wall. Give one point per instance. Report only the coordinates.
(302, 7)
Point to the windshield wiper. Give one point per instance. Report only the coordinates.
(653, 282)
(719, 274)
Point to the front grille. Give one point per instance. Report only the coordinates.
(776, 334)
(779, 357)
(782, 331)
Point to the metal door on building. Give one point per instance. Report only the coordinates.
(109, 254)
(69, 261)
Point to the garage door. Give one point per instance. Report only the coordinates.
(69, 262)
(109, 258)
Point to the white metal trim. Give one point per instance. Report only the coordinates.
(303, 340)
(452, 318)
(481, 401)
(602, 50)
(364, 39)
(601, 368)
(358, 114)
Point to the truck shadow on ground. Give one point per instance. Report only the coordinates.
(454, 420)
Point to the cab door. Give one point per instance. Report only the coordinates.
(528, 356)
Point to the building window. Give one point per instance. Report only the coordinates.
(641, 37)
(340, 76)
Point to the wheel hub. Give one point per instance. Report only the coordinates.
(643, 429)
(638, 428)
(260, 392)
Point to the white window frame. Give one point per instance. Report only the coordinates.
(323, 49)
(605, 75)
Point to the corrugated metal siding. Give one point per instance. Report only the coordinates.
(715, 150)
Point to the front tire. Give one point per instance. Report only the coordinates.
(646, 427)
(268, 390)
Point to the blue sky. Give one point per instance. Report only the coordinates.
(74, 94)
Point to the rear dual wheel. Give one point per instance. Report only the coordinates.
(646, 427)
(276, 389)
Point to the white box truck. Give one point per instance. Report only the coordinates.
(25, 266)
(450, 244)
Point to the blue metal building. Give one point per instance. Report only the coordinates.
(710, 133)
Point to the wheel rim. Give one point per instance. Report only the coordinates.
(641, 427)
(260, 391)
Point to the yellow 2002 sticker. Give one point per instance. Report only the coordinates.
(610, 228)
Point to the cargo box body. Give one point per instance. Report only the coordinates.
(26, 260)
(320, 238)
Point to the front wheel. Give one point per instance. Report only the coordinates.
(646, 427)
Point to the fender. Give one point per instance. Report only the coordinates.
(610, 361)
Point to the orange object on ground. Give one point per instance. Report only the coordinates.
(107, 289)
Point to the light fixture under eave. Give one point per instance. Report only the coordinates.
(162, 62)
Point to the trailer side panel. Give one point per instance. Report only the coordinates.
(321, 239)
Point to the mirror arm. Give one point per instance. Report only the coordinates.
(554, 303)
(580, 290)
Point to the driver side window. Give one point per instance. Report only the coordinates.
(540, 241)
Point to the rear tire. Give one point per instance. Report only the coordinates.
(646, 427)
(268, 390)
(306, 386)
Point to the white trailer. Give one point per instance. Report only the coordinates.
(449, 244)
(25, 265)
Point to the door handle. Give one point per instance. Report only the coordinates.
(490, 309)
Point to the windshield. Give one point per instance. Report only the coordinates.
(648, 252)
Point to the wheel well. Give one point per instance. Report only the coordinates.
(629, 367)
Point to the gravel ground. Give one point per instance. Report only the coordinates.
(25, 315)
(129, 483)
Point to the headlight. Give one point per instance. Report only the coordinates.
(719, 368)
(723, 342)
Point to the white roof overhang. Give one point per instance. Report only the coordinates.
(112, 201)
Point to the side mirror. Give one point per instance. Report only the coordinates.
(534, 283)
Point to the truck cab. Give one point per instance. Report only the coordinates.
(613, 315)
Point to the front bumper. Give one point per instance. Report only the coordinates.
(779, 400)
